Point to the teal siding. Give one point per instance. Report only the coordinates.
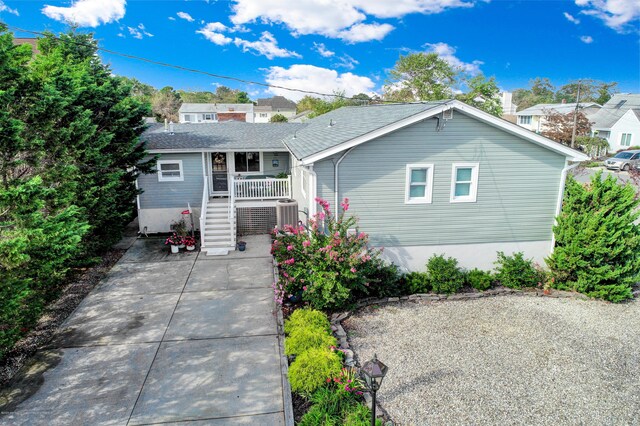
(162, 195)
(517, 190)
(283, 162)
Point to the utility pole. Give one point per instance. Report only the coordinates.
(575, 117)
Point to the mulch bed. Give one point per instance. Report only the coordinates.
(81, 282)
(300, 406)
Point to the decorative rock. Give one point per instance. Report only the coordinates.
(334, 328)
(393, 299)
(339, 332)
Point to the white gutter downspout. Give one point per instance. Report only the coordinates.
(313, 191)
(336, 180)
(563, 181)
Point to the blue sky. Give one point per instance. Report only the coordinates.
(349, 45)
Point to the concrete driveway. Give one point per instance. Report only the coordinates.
(163, 339)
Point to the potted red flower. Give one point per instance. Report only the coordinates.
(174, 241)
(190, 242)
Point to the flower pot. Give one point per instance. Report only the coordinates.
(175, 249)
(181, 246)
(191, 248)
(242, 245)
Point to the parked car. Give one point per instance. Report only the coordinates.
(623, 160)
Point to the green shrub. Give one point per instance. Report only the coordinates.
(516, 271)
(304, 338)
(385, 280)
(418, 282)
(318, 416)
(359, 415)
(312, 368)
(307, 318)
(444, 274)
(597, 248)
(479, 279)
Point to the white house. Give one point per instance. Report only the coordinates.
(268, 107)
(619, 121)
(508, 107)
(214, 113)
(534, 118)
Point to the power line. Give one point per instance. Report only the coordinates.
(182, 68)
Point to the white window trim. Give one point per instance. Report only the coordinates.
(428, 190)
(260, 157)
(473, 190)
(171, 178)
(630, 139)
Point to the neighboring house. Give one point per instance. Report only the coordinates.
(534, 118)
(215, 113)
(221, 166)
(432, 178)
(618, 121)
(268, 107)
(30, 41)
(424, 178)
(302, 117)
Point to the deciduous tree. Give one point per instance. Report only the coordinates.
(420, 77)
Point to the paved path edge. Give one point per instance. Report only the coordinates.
(284, 362)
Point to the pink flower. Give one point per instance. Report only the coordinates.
(306, 243)
(290, 261)
(321, 216)
(289, 247)
(345, 204)
(336, 235)
(353, 270)
(304, 288)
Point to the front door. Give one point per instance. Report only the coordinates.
(219, 170)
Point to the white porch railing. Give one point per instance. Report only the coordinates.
(261, 189)
(232, 211)
(203, 208)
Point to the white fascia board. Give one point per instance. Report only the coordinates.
(199, 150)
(377, 133)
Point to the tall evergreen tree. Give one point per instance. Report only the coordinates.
(597, 248)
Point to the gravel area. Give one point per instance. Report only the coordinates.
(507, 360)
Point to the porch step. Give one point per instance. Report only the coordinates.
(216, 251)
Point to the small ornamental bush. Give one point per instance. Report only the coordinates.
(444, 274)
(306, 318)
(311, 369)
(359, 415)
(302, 339)
(418, 282)
(516, 271)
(479, 279)
(327, 265)
(597, 248)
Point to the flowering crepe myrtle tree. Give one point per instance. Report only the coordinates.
(325, 264)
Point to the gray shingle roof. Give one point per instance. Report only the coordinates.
(277, 102)
(207, 108)
(222, 136)
(543, 109)
(617, 106)
(348, 123)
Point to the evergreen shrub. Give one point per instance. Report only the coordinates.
(444, 274)
(479, 279)
(516, 271)
(311, 369)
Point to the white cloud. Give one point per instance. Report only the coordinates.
(322, 50)
(5, 8)
(346, 61)
(140, 32)
(447, 53)
(616, 14)
(337, 19)
(185, 16)
(171, 18)
(88, 13)
(586, 39)
(213, 32)
(365, 32)
(571, 18)
(319, 79)
(267, 46)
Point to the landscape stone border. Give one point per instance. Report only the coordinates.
(351, 358)
(284, 362)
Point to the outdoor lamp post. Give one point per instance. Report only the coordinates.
(373, 372)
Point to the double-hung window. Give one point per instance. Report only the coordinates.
(419, 183)
(625, 139)
(464, 182)
(170, 170)
(210, 117)
(187, 118)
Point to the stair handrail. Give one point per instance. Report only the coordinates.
(232, 209)
(203, 208)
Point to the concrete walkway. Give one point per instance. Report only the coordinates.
(163, 339)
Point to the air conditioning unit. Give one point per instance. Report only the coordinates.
(286, 213)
